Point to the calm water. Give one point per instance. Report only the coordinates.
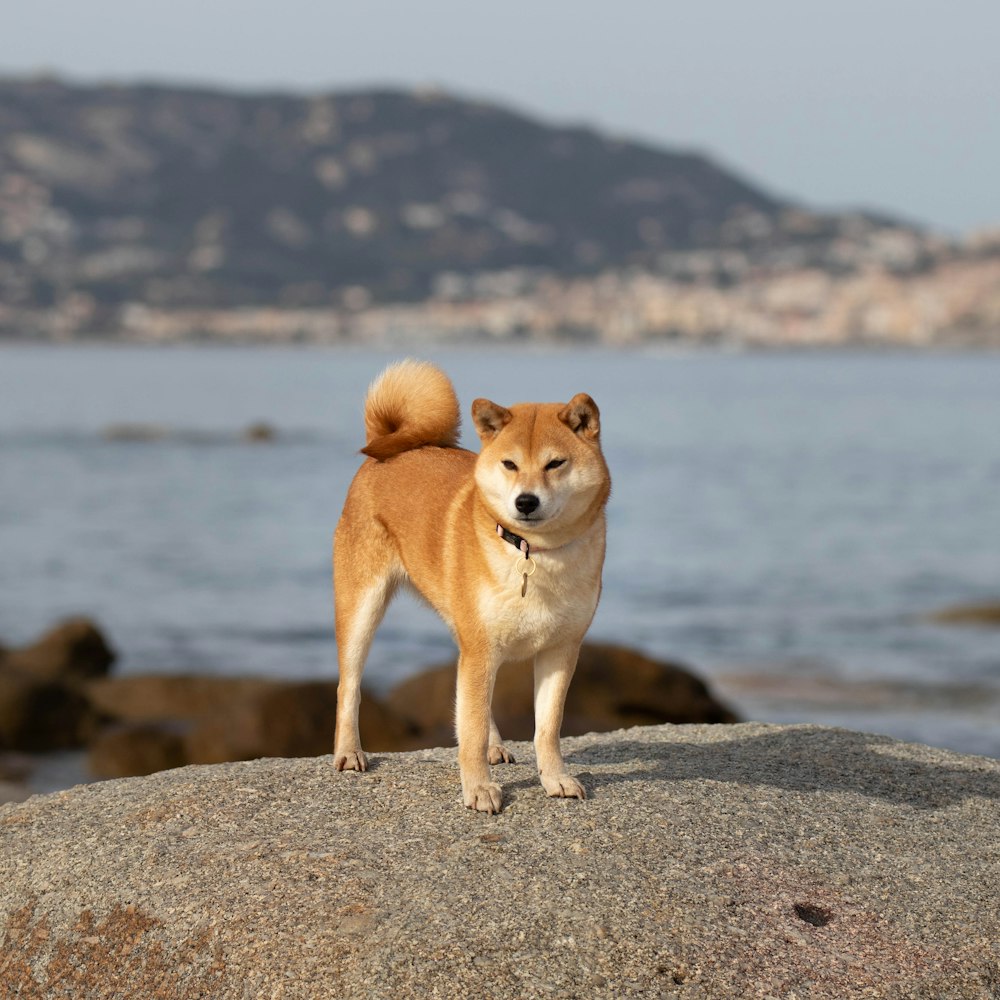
(777, 521)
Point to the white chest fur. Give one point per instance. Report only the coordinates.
(557, 604)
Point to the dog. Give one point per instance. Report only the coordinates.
(507, 546)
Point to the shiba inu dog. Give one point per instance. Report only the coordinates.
(507, 546)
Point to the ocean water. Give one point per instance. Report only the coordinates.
(778, 521)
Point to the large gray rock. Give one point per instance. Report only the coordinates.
(708, 861)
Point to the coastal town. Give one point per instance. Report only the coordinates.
(955, 303)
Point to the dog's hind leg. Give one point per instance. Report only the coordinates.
(498, 753)
(554, 670)
(366, 575)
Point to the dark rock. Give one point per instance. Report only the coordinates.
(613, 688)
(292, 720)
(225, 719)
(41, 706)
(75, 650)
(967, 614)
(131, 750)
(173, 719)
(159, 697)
(38, 715)
(259, 433)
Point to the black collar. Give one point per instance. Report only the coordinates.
(516, 540)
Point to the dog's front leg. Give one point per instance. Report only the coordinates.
(472, 724)
(554, 669)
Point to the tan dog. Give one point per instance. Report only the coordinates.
(506, 546)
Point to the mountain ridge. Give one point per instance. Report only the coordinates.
(119, 202)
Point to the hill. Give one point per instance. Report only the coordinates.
(198, 197)
(150, 211)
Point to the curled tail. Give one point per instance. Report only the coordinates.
(411, 404)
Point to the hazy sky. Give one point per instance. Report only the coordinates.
(890, 104)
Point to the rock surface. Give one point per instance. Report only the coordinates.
(708, 862)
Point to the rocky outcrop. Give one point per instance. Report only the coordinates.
(166, 721)
(613, 687)
(42, 701)
(38, 715)
(209, 720)
(57, 694)
(74, 650)
(707, 862)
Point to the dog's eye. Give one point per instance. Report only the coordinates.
(509, 465)
(555, 463)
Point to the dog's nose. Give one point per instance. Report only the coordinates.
(526, 503)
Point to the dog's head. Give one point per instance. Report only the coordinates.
(540, 467)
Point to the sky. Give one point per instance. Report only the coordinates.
(889, 105)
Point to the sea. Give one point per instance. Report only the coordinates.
(782, 523)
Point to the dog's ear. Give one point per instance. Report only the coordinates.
(582, 416)
(489, 418)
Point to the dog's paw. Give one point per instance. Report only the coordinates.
(485, 797)
(563, 786)
(499, 754)
(353, 761)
